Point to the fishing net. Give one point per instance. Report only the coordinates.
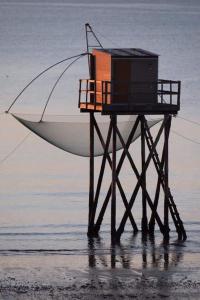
(72, 133)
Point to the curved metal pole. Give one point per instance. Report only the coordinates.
(55, 84)
(39, 75)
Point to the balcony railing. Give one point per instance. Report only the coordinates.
(98, 92)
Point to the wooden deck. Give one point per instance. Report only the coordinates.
(128, 109)
(90, 107)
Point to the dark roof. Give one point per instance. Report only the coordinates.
(128, 52)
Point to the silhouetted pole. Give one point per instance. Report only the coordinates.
(113, 189)
(166, 180)
(91, 176)
(144, 222)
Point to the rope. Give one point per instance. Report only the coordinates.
(15, 148)
(190, 121)
(40, 74)
(108, 39)
(54, 86)
(185, 137)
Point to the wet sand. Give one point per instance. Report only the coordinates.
(136, 288)
(157, 272)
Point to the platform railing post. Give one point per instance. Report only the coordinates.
(91, 175)
(179, 94)
(144, 223)
(79, 98)
(114, 177)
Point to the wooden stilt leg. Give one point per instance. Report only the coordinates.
(95, 202)
(113, 258)
(166, 177)
(114, 176)
(144, 223)
(91, 256)
(91, 176)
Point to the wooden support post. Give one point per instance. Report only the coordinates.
(91, 175)
(144, 223)
(99, 183)
(166, 176)
(91, 256)
(114, 176)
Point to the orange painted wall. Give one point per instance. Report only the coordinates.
(102, 70)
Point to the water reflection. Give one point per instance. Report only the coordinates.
(137, 253)
(139, 264)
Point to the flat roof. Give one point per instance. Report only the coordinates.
(128, 52)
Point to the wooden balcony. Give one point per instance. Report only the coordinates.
(161, 97)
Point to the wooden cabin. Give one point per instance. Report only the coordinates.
(125, 81)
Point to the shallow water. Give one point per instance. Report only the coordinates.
(44, 191)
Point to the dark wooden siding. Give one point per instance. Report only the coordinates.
(121, 77)
(145, 72)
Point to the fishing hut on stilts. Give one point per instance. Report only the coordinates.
(125, 82)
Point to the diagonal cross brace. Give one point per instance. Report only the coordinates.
(100, 217)
(138, 176)
(156, 198)
(124, 219)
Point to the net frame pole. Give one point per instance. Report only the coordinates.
(89, 31)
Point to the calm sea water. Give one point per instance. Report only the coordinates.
(44, 191)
